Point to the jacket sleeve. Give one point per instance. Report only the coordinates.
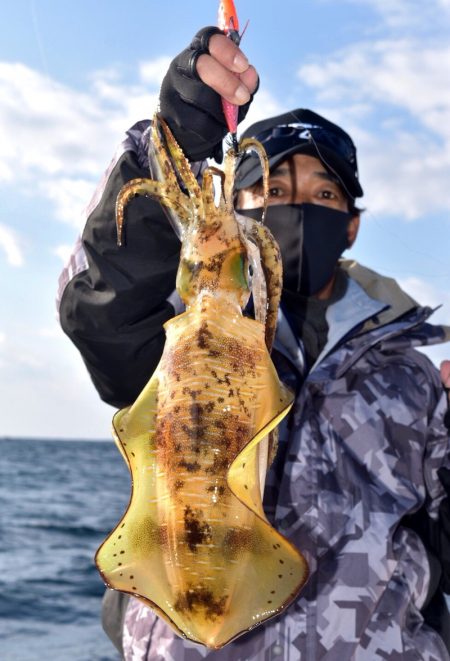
(438, 477)
(443, 517)
(432, 521)
(114, 301)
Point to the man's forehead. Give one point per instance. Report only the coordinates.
(286, 168)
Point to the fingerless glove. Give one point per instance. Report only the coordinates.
(192, 109)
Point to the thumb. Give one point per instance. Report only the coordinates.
(445, 373)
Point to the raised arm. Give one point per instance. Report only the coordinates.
(114, 301)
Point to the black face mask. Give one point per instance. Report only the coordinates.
(311, 240)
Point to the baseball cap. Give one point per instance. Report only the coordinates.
(305, 132)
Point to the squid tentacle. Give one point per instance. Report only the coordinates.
(154, 189)
(182, 167)
(273, 272)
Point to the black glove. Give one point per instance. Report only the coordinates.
(191, 108)
(447, 418)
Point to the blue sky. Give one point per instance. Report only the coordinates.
(74, 76)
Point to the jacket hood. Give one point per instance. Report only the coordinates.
(380, 288)
(374, 309)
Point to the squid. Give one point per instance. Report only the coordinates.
(194, 543)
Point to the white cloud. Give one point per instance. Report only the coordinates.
(10, 244)
(30, 361)
(45, 127)
(52, 332)
(153, 72)
(61, 139)
(2, 349)
(404, 74)
(35, 368)
(69, 197)
(264, 105)
(403, 14)
(64, 252)
(392, 97)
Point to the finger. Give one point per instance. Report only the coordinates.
(226, 52)
(249, 78)
(445, 373)
(222, 80)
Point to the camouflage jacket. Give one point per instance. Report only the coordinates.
(360, 453)
(358, 481)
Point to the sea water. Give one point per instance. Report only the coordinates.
(58, 501)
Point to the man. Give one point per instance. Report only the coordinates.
(361, 477)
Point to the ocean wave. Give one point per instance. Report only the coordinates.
(59, 500)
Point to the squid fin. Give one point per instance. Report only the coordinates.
(135, 543)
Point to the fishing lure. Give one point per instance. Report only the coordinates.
(228, 22)
(194, 543)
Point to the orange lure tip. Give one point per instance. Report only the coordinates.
(228, 20)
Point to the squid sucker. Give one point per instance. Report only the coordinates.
(194, 543)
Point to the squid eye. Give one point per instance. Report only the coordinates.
(250, 274)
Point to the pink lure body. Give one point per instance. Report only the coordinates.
(229, 23)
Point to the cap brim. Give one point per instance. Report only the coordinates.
(249, 170)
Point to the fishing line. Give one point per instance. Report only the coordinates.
(408, 248)
(37, 34)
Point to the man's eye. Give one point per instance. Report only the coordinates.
(328, 194)
(274, 191)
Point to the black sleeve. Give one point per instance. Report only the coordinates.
(444, 530)
(442, 538)
(114, 310)
(435, 536)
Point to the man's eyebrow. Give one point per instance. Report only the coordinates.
(282, 170)
(327, 176)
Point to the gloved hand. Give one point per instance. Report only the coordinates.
(191, 90)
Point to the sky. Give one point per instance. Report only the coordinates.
(75, 76)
